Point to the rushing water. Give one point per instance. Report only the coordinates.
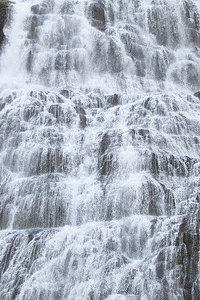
(100, 150)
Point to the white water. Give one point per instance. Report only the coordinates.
(99, 141)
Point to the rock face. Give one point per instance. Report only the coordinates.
(3, 16)
(97, 15)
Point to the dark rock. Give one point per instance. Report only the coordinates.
(35, 9)
(126, 284)
(3, 17)
(2, 105)
(45, 161)
(29, 61)
(106, 164)
(64, 60)
(68, 7)
(132, 133)
(41, 9)
(160, 268)
(197, 94)
(56, 110)
(34, 22)
(30, 111)
(161, 256)
(111, 15)
(7, 258)
(83, 121)
(64, 93)
(61, 115)
(171, 165)
(97, 15)
(188, 256)
(145, 134)
(140, 68)
(154, 166)
(192, 75)
(169, 201)
(75, 264)
(105, 158)
(82, 116)
(115, 57)
(153, 193)
(134, 50)
(32, 232)
(114, 100)
(105, 142)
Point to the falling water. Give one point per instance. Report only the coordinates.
(100, 150)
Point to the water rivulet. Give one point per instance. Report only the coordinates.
(100, 150)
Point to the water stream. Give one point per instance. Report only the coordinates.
(100, 150)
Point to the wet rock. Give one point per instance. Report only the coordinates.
(29, 61)
(140, 68)
(116, 262)
(144, 134)
(105, 158)
(64, 60)
(197, 94)
(41, 9)
(160, 66)
(191, 240)
(41, 95)
(133, 49)
(35, 9)
(2, 105)
(50, 161)
(64, 93)
(105, 142)
(171, 165)
(68, 7)
(160, 270)
(31, 111)
(111, 15)
(82, 116)
(188, 256)
(60, 114)
(106, 165)
(192, 75)
(127, 282)
(104, 290)
(32, 233)
(115, 57)
(153, 193)
(169, 201)
(154, 166)
(114, 100)
(191, 19)
(3, 16)
(97, 15)
(33, 22)
(7, 257)
(166, 31)
(56, 110)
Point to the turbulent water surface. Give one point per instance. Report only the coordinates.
(100, 150)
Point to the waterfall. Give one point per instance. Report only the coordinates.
(100, 150)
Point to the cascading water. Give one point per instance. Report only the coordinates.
(100, 149)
